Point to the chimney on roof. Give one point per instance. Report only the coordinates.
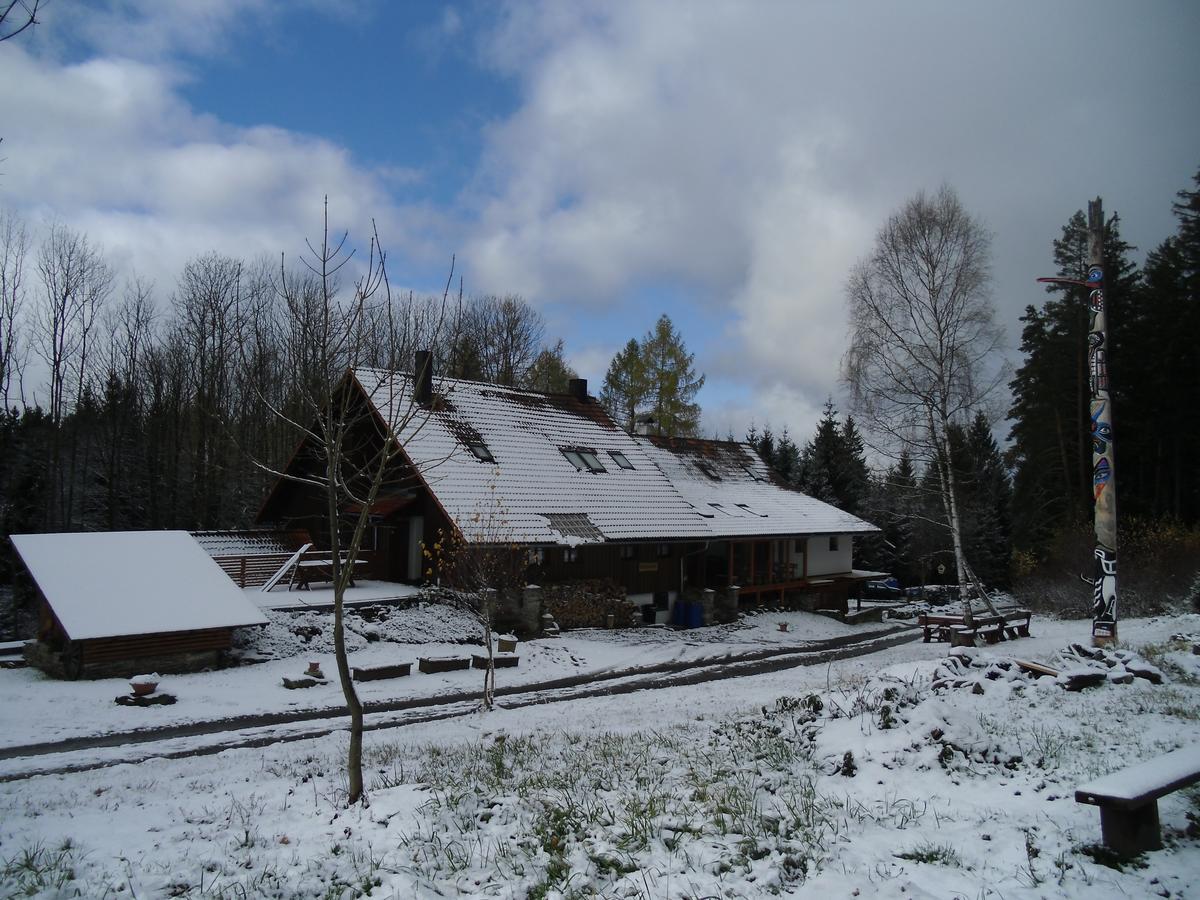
(577, 388)
(423, 377)
(646, 425)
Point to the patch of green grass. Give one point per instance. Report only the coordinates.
(1106, 856)
(933, 854)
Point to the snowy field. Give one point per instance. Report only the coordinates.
(855, 779)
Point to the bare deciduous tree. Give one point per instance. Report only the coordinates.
(349, 452)
(924, 340)
(16, 16)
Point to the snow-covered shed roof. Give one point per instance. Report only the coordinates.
(117, 583)
(736, 492)
(510, 465)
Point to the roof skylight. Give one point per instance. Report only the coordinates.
(482, 453)
(620, 459)
(583, 459)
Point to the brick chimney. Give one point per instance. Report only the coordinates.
(423, 377)
(577, 388)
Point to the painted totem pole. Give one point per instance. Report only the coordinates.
(1104, 485)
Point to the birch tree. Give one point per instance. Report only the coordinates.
(923, 341)
(14, 248)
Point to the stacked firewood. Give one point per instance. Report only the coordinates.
(589, 603)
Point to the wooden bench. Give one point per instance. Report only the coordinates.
(1128, 799)
(499, 660)
(376, 673)
(428, 664)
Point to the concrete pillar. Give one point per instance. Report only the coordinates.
(529, 611)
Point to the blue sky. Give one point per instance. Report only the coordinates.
(725, 163)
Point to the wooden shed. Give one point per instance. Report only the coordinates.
(120, 603)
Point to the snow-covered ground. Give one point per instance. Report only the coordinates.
(74, 709)
(855, 779)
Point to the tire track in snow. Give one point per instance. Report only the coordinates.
(247, 732)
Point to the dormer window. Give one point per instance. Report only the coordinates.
(481, 452)
(620, 459)
(583, 459)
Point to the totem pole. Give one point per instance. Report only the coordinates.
(1104, 485)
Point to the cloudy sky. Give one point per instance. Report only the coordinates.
(725, 163)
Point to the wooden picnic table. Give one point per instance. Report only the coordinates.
(991, 627)
(317, 566)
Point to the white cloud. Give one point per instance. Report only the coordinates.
(750, 152)
(108, 146)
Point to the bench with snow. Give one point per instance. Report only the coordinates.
(376, 673)
(1128, 799)
(499, 660)
(430, 664)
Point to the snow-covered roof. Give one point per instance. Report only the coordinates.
(735, 491)
(107, 584)
(555, 469)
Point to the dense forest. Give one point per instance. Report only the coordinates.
(1027, 508)
(168, 412)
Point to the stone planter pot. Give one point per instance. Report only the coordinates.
(142, 688)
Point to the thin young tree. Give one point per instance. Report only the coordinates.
(14, 248)
(924, 342)
(349, 452)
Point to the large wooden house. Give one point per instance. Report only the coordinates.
(556, 477)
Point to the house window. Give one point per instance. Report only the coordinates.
(570, 554)
(583, 459)
(620, 459)
(664, 550)
(835, 543)
(482, 453)
(535, 556)
(628, 551)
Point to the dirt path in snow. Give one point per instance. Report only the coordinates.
(240, 731)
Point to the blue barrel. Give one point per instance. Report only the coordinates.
(695, 615)
(679, 613)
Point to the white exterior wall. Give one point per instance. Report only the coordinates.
(823, 561)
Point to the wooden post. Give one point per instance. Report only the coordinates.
(1104, 481)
